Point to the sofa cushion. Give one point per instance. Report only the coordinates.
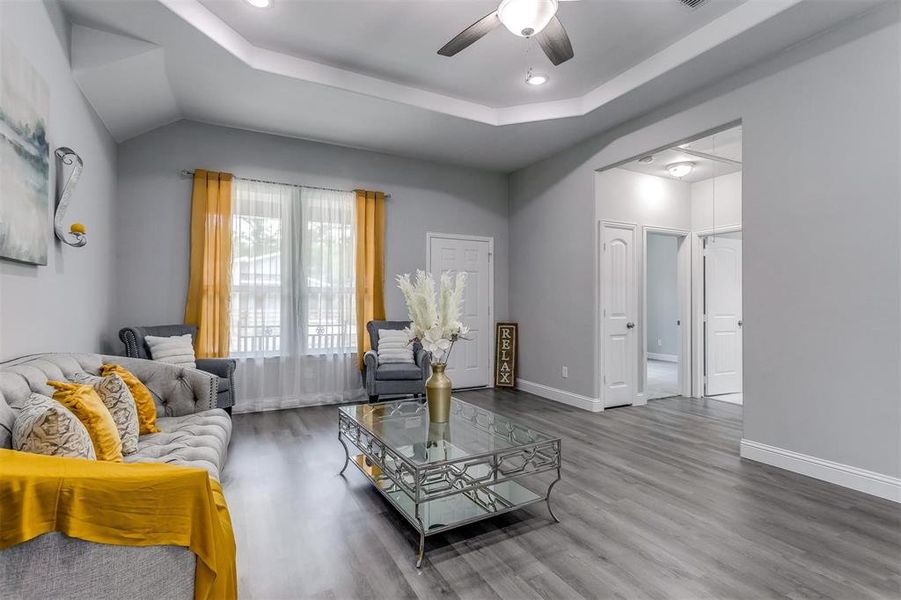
(44, 426)
(224, 384)
(84, 401)
(7, 420)
(197, 440)
(117, 398)
(398, 371)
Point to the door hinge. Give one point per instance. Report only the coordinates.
(604, 246)
(605, 380)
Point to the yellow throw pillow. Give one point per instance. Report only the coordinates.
(143, 398)
(94, 415)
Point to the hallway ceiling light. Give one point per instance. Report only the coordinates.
(680, 169)
(260, 3)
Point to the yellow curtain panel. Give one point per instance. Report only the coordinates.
(370, 267)
(211, 249)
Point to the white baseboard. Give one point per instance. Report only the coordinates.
(868, 482)
(577, 400)
(664, 357)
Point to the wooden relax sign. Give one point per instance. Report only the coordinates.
(505, 361)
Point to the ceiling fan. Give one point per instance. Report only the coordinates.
(525, 18)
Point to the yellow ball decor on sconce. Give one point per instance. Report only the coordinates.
(77, 234)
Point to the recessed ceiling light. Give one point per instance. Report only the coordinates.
(260, 3)
(680, 169)
(536, 78)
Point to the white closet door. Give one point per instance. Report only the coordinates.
(618, 311)
(722, 296)
(470, 361)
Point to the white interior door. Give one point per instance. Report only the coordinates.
(470, 361)
(618, 313)
(722, 296)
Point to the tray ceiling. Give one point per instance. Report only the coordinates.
(146, 63)
(398, 41)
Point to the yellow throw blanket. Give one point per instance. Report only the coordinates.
(141, 504)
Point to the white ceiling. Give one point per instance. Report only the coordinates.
(703, 152)
(398, 41)
(145, 63)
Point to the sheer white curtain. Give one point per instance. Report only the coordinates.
(293, 327)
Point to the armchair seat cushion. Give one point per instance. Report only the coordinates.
(398, 372)
(197, 440)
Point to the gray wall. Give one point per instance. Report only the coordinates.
(66, 305)
(821, 244)
(155, 202)
(663, 294)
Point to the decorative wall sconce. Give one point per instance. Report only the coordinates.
(76, 236)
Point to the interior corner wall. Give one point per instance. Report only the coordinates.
(155, 207)
(65, 305)
(646, 200)
(822, 259)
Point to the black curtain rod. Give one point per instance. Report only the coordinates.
(190, 173)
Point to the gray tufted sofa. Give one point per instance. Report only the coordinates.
(194, 433)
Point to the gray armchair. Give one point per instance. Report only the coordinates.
(389, 379)
(223, 368)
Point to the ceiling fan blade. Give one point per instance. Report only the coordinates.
(471, 34)
(555, 43)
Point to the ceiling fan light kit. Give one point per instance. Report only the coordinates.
(525, 18)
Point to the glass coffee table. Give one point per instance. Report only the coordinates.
(444, 475)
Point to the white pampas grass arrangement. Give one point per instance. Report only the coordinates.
(434, 314)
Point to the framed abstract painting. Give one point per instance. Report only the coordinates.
(24, 159)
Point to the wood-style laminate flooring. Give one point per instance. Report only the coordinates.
(654, 503)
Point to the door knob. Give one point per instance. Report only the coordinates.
(630, 325)
(739, 322)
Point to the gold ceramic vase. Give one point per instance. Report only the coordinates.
(438, 392)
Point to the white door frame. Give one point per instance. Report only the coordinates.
(697, 304)
(640, 398)
(429, 236)
(683, 284)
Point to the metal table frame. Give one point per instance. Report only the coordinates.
(423, 483)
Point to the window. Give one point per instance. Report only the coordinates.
(292, 271)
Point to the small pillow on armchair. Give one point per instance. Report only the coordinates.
(176, 349)
(394, 347)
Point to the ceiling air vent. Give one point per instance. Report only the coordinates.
(693, 3)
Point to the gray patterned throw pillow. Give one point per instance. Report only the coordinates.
(44, 426)
(120, 403)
